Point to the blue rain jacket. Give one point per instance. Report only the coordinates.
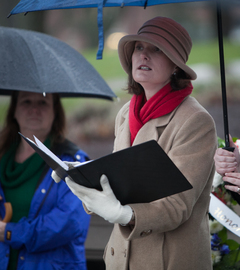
(52, 236)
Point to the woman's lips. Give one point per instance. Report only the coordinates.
(143, 67)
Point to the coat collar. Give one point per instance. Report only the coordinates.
(147, 132)
(150, 130)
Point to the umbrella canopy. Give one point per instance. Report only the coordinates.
(35, 5)
(36, 62)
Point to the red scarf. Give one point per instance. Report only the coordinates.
(163, 102)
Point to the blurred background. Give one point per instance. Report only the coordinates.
(91, 121)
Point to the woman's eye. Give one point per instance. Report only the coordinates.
(26, 101)
(43, 102)
(138, 47)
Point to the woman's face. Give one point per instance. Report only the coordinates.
(151, 67)
(34, 113)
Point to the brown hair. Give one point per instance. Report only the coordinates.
(9, 133)
(179, 80)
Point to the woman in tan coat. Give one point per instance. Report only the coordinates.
(171, 233)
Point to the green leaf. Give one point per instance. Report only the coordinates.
(220, 266)
(234, 139)
(223, 235)
(237, 259)
(233, 202)
(233, 245)
(230, 259)
(221, 142)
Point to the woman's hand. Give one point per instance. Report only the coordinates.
(103, 203)
(226, 161)
(234, 179)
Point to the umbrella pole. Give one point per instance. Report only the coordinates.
(223, 81)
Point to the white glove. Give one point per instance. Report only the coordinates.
(55, 176)
(103, 203)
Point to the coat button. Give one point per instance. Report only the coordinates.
(78, 157)
(43, 190)
(145, 233)
(112, 251)
(22, 258)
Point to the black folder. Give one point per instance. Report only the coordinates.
(138, 174)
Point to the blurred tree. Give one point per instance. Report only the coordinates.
(79, 27)
(226, 14)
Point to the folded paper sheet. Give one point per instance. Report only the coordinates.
(138, 174)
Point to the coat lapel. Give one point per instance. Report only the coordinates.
(150, 130)
(122, 140)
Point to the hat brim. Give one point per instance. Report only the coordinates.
(126, 47)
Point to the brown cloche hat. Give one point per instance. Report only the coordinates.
(164, 33)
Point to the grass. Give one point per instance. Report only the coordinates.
(4, 101)
(109, 66)
(208, 53)
(110, 69)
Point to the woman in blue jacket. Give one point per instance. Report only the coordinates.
(45, 231)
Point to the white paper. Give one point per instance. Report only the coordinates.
(50, 153)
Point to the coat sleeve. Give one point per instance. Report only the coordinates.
(61, 220)
(191, 147)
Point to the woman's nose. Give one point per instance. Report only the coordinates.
(144, 55)
(34, 107)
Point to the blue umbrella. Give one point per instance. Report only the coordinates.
(25, 6)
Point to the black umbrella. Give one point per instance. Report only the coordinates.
(36, 62)
(35, 5)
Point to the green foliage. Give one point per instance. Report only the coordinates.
(221, 143)
(233, 245)
(4, 102)
(223, 235)
(230, 261)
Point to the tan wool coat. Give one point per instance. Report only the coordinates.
(171, 233)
